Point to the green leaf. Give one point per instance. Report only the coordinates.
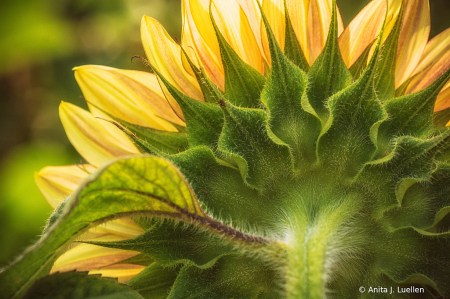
(328, 74)
(282, 95)
(233, 276)
(385, 69)
(170, 243)
(138, 185)
(140, 259)
(292, 47)
(349, 138)
(79, 285)
(408, 254)
(412, 114)
(155, 281)
(204, 121)
(243, 84)
(217, 186)
(260, 155)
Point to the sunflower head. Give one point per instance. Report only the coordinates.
(272, 154)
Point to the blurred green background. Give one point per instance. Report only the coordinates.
(40, 42)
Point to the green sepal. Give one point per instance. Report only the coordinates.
(424, 204)
(349, 138)
(282, 95)
(204, 121)
(79, 285)
(233, 276)
(441, 118)
(416, 255)
(210, 91)
(155, 281)
(170, 243)
(243, 84)
(384, 81)
(217, 186)
(292, 48)
(412, 160)
(358, 67)
(247, 138)
(328, 74)
(411, 114)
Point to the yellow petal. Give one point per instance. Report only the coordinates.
(199, 38)
(443, 99)
(56, 183)
(361, 31)
(319, 19)
(274, 11)
(413, 38)
(165, 55)
(97, 260)
(235, 27)
(97, 141)
(132, 96)
(435, 61)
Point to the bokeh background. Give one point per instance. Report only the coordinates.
(40, 42)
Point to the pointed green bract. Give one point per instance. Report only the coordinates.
(328, 74)
(349, 138)
(253, 280)
(292, 48)
(246, 138)
(282, 95)
(358, 67)
(211, 92)
(243, 84)
(385, 79)
(79, 285)
(204, 120)
(412, 114)
(155, 281)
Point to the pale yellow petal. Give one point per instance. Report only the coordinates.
(274, 11)
(96, 140)
(56, 183)
(123, 272)
(97, 259)
(413, 38)
(319, 19)
(443, 99)
(199, 38)
(435, 61)
(362, 31)
(235, 27)
(165, 55)
(132, 96)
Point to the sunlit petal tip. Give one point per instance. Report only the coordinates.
(132, 96)
(56, 183)
(96, 142)
(87, 257)
(165, 55)
(361, 31)
(237, 29)
(413, 38)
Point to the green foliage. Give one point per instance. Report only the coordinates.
(309, 183)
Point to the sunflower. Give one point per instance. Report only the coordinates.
(315, 155)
